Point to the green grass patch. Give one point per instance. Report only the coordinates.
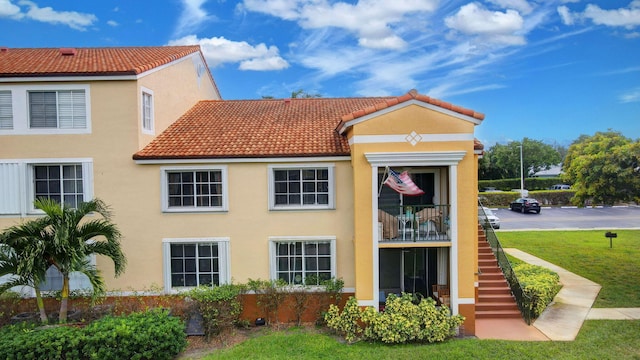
(588, 254)
(599, 339)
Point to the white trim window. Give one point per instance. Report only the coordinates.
(6, 110)
(194, 189)
(64, 180)
(192, 262)
(57, 109)
(45, 109)
(59, 182)
(309, 186)
(147, 111)
(303, 260)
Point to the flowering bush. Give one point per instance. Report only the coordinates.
(402, 321)
(345, 322)
(539, 283)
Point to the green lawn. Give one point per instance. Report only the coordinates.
(587, 253)
(599, 339)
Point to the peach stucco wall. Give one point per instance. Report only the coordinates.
(403, 121)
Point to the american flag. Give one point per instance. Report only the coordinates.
(402, 183)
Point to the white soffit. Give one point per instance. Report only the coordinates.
(442, 158)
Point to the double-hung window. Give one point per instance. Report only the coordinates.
(32, 109)
(194, 189)
(301, 187)
(195, 262)
(147, 111)
(303, 260)
(57, 109)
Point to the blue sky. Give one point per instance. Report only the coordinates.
(549, 70)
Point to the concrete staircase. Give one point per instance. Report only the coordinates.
(494, 295)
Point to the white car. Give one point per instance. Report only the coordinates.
(491, 217)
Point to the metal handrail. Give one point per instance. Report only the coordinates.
(524, 301)
(415, 222)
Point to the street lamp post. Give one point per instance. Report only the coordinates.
(521, 173)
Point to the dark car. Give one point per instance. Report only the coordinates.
(525, 205)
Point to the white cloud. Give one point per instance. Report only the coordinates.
(192, 17)
(112, 23)
(493, 26)
(626, 17)
(373, 22)
(72, 19)
(218, 51)
(565, 15)
(631, 96)
(264, 64)
(521, 5)
(7, 9)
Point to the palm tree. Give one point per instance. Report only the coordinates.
(21, 257)
(69, 239)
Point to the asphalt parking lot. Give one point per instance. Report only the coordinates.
(551, 218)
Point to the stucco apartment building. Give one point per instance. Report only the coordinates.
(210, 191)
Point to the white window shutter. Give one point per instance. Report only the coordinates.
(10, 188)
(6, 110)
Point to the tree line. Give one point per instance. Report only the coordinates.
(603, 168)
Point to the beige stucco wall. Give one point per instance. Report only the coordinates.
(248, 224)
(175, 89)
(115, 136)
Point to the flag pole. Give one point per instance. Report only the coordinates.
(386, 172)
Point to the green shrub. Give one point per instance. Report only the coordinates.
(25, 341)
(270, 295)
(149, 335)
(402, 321)
(146, 335)
(332, 295)
(347, 321)
(539, 283)
(220, 306)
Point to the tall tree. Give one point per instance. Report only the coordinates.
(64, 238)
(70, 239)
(302, 94)
(603, 168)
(21, 258)
(503, 161)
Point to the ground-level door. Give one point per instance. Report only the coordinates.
(412, 270)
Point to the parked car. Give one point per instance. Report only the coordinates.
(560, 187)
(491, 218)
(525, 205)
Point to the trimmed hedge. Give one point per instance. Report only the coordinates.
(545, 197)
(514, 183)
(541, 284)
(149, 335)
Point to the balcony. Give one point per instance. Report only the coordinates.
(415, 223)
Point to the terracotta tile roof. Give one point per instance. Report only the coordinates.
(257, 128)
(411, 95)
(267, 128)
(30, 62)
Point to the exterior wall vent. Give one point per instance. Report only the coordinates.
(67, 51)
